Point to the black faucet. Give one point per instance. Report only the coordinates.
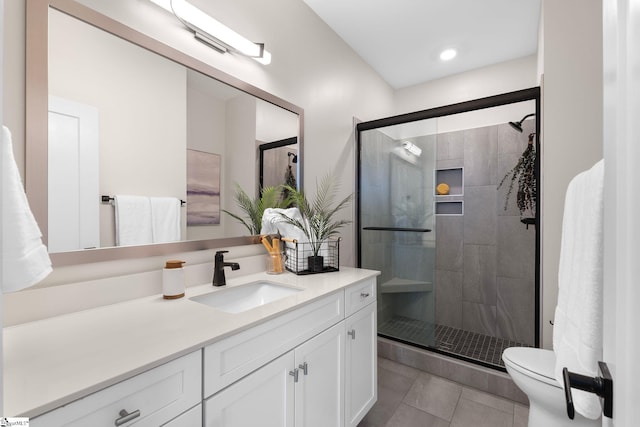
(218, 269)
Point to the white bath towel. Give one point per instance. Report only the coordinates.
(165, 219)
(25, 260)
(577, 332)
(272, 223)
(133, 220)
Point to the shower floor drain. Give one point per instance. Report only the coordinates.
(484, 348)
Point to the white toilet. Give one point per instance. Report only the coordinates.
(532, 370)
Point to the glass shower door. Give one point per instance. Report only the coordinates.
(397, 226)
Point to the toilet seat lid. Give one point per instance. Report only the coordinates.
(537, 361)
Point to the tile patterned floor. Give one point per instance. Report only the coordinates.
(408, 397)
(473, 345)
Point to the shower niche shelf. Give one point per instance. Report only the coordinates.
(452, 203)
(453, 177)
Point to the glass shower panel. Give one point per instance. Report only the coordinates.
(397, 226)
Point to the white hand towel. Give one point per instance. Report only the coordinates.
(25, 260)
(133, 220)
(165, 219)
(272, 223)
(577, 331)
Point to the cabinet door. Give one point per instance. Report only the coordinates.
(264, 398)
(191, 418)
(361, 361)
(319, 397)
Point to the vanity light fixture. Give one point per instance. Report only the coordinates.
(448, 54)
(412, 148)
(212, 32)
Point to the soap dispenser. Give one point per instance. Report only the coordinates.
(173, 279)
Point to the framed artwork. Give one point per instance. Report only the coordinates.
(203, 188)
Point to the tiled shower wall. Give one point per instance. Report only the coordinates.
(485, 259)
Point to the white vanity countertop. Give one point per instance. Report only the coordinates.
(55, 361)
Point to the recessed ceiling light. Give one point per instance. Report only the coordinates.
(448, 54)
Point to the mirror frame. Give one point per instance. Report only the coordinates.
(36, 124)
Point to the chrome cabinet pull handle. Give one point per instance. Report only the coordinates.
(352, 334)
(294, 374)
(304, 367)
(125, 416)
(364, 295)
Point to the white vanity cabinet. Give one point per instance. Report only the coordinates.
(361, 363)
(326, 378)
(303, 387)
(152, 398)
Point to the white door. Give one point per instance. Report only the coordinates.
(621, 27)
(319, 391)
(73, 176)
(264, 398)
(361, 361)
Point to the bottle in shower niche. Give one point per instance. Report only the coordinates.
(173, 279)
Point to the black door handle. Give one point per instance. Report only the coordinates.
(601, 386)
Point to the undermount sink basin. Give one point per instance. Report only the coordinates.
(245, 297)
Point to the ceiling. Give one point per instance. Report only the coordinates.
(402, 39)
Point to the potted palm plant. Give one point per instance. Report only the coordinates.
(318, 217)
(270, 197)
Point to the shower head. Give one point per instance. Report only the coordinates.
(295, 157)
(518, 125)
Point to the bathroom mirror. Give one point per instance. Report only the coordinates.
(153, 104)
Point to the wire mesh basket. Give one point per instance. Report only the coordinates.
(300, 258)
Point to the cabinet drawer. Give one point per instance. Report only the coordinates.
(191, 418)
(359, 295)
(159, 395)
(232, 358)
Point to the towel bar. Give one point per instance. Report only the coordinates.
(107, 199)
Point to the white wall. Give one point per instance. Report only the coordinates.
(311, 68)
(492, 80)
(572, 125)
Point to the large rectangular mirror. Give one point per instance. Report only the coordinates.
(111, 112)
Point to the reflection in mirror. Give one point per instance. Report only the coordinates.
(279, 163)
(122, 119)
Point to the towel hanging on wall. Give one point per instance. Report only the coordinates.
(577, 333)
(25, 260)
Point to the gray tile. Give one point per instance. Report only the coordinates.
(397, 368)
(479, 282)
(472, 414)
(516, 249)
(466, 375)
(487, 399)
(408, 416)
(511, 141)
(520, 415)
(480, 156)
(449, 242)
(434, 395)
(515, 317)
(480, 215)
(450, 145)
(450, 163)
(449, 298)
(479, 318)
(392, 387)
(502, 385)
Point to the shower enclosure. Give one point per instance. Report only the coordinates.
(458, 258)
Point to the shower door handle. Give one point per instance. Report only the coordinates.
(601, 386)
